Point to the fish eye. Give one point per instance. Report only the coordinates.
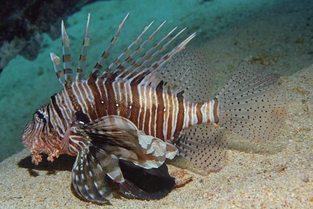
(41, 116)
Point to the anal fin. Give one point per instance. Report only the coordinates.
(201, 149)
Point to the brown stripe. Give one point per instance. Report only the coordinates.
(68, 71)
(69, 91)
(160, 111)
(199, 113)
(215, 110)
(105, 54)
(180, 115)
(58, 111)
(152, 123)
(60, 74)
(136, 104)
(169, 122)
(82, 57)
(99, 108)
(104, 97)
(129, 99)
(148, 106)
(190, 114)
(90, 109)
(98, 66)
(140, 120)
(123, 105)
(111, 97)
(67, 58)
(141, 110)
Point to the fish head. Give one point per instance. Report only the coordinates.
(40, 138)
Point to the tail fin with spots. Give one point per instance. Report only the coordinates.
(251, 105)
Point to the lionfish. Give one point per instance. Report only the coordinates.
(128, 118)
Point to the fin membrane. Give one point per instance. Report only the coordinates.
(202, 149)
(88, 178)
(119, 136)
(103, 144)
(252, 104)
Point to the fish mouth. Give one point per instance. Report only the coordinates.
(40, 143)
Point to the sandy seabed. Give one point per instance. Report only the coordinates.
(249, 180)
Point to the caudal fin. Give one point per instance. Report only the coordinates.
(252, 104)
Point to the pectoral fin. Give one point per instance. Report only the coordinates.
(119, 136)
(89, 178)
(106, 142)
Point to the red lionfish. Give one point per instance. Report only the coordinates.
(128, 117)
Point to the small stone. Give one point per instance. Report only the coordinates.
(305, 178)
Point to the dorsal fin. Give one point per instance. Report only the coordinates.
(138, 60)
(65, 73)
(99, 65)
(129, 53)
(142, 59)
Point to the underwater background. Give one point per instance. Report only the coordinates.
(275, 33)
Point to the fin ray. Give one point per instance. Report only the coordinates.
(83, 52)
(106, 52)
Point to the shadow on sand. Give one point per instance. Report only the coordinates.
(63, 163)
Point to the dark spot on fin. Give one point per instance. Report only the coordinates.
(143, 183)
(82, 117)
(202, 149)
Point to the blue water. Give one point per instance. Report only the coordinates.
(276, 33)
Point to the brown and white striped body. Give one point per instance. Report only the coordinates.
(153, 109)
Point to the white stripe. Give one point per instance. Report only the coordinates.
(69, 102)
(150, 99)
(131, 93)
(58, 123)
(89, 93)
(105, 92)
(62, 109)
(89, 97)
(174, 115)
(166, 112)
(140, 103)
(193, 114)
(98, 87)
(117, 95)
(115, 91)
(145, 103)
(186, 115)
(210, 110)
(129, 97)
(62, 106)
(79, 97)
